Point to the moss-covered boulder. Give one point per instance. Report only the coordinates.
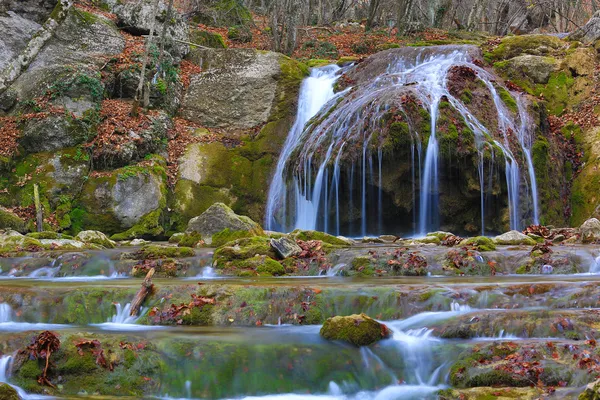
(127, 202)
(359, 330)
(299, 234)
(285, 247)
(223, 13)
(95, 237)
(481, 243)
(7, 392)
(538, 45)
(153, 252)
(591, 392)
(590, 230)
(514, 238)
(12, 241)
(231, 254)
(9, 220)
(221, 223)
(207, 39)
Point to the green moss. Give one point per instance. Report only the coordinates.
(316, 62)
(508, 100)
(227, 235)
(149, 226)
(7, 392)
(207, 39)
(557, 92)
(11, 221)
(482, 243)
(242, 249)
(364, 266)
(199, 316)
(155, 251)
(30, 370)
(512, 46)
(359, 330)
(79, 364)
(270, 267)
(316, 235)
(189, 239)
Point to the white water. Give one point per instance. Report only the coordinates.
(123, 321)
(315, 92)
(309, 169)
(8, 325)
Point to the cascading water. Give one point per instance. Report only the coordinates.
(315, 92)
(332, 174)
(5, 313)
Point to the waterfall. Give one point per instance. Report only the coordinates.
(316, 90)
(5, 313)
(4, 368)
(331, 174)
(122, 316)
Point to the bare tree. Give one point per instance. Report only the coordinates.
(139, 93)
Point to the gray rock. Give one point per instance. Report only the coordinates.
(21, 30)
(219, 217)
(537, 68)
(52, 133)
(136, 18)
(514, 238)
(590, 32)
(95, 237)
(236, 90)
(590, 230)
(135, 197)
(285, 247)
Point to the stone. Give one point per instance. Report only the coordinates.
(95, 237)
(7, 392)
(514, 238)
(581, 62)
(217, 218)
(236, 90)
(591, 392)
(136, 18)
(590, 32)
(285, 247)
(537, 68)
(21, 29)
(359, 330)
(558, 238)
(65, 244)
(49, 134)
(590, 230)
(128, 201)
(9, 220)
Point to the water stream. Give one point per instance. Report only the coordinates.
(330, 178)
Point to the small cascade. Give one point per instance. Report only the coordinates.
(336, 173)
(122, 316)
(335, 270)
(5, 313)
(4, 368)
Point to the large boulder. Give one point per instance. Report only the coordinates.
(359, 330)
(537, 68)
(514, 238)
(238, 89)
(49, 134)
(590, 32)
(136, 17)
(590, 230)
(129, 200)
(21, 29)
(218, 218)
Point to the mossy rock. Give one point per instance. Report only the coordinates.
(359, 330)
(299, 234)
(188, 239)
(95, 237)
(482, 243)
(541, 45)
(9, 220)
(514, 238)
(263, 265)
(150, 252)
(7, 392)
(430, 240)
(207, 39)
(48, 235)
(242, 249)
(221, 223)
(591, 392)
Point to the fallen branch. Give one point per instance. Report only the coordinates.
(141, 295)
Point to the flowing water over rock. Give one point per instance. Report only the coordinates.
(387, 134)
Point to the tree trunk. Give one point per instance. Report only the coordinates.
(38, 208)
(141, 295)
(373, 7)
(140, 89)
(19, 64)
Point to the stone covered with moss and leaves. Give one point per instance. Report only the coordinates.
(219, 225)
(359, 330)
